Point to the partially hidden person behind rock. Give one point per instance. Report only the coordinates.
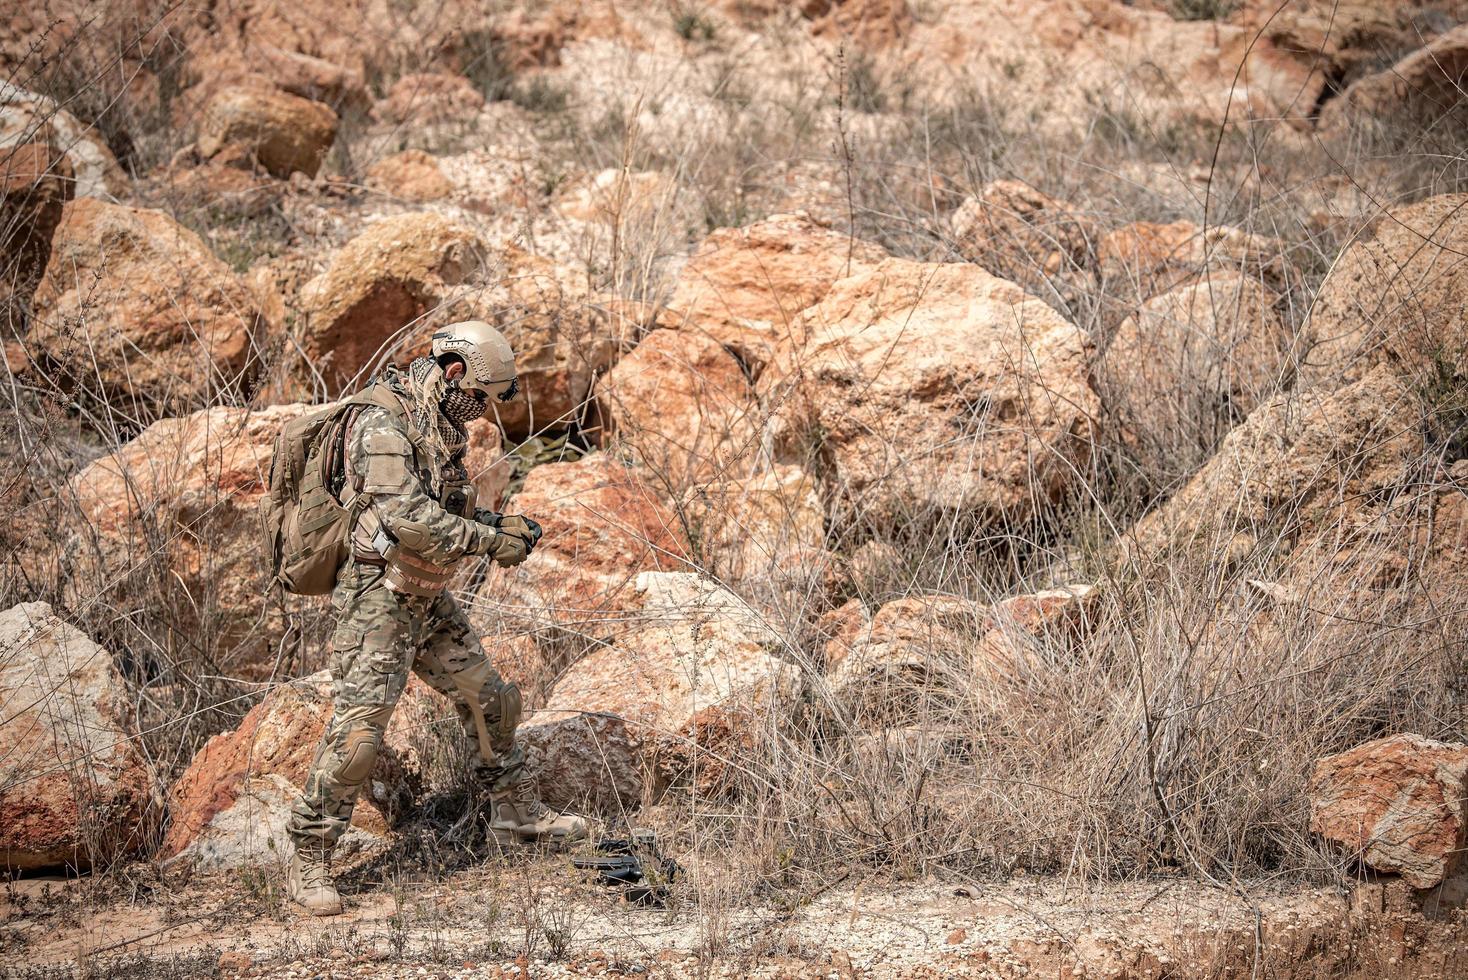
(410, 517)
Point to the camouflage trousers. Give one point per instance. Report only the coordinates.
(380, 635)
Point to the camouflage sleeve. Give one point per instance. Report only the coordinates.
(382, 457)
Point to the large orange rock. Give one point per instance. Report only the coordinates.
(284, 133)
(377, 287)
(1142, 68)
(1419, 96)
(1343, 496)
(229, 808)
(1340, 40)
(411, 175)
(1022, 628)
(605, 523)
(1307, 462)
(76, 788)
(1144, 259)
(687, 686)
(767, 529)
(430, 97)
(684, 406)
(1398, 295)
(35, 184)
(1190, 365)
(134, 306)
(925, 386)
(173, 527)
(1015, 231)
(914, 652)
(26, 117)
(1397, 804)
(890, 667)
(317, 79)
(744, 287)
(320, 48)
(872, 24)
(563, 336)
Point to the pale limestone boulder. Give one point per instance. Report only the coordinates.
(1311, 460)
(675, 699)
(1020, 233)
(1189, 365)
(627, 199)
(767, 528)
(411, 175)
(26, 117)
(1420, 95)
(1025, 629)
(1397, 295)
(425, 98)
(1145, 258)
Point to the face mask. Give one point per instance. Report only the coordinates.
(461, 406)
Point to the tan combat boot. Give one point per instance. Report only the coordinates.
(309, 883)
(518, 817)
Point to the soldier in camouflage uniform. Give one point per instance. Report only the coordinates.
(393, 614)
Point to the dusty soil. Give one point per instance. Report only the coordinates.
(537, 916)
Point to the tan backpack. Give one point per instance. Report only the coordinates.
(307, 529)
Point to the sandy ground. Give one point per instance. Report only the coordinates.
(540, 918)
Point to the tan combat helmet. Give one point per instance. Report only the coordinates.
(491, 362)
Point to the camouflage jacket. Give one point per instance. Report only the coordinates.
(421, 494)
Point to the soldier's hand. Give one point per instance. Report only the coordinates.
(509, 549)
(487, 517)
(535, 530)
(522, 527)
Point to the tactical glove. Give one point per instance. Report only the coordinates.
(522, 527)
(487, 517)
(508, 549)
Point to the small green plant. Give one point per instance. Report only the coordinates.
(540, 95)
(692, 26)
(1203, 9)
(559, 926)
(863, 88)
(1445, 393)
(485, 68)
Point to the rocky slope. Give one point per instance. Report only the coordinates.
(985, 439)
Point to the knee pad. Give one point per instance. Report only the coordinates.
(358, 755)
(360, 744)
(505, 703)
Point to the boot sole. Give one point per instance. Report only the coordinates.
(320, 912)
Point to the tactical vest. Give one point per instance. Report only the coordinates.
(406, 570)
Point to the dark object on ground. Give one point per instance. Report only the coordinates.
(636, 865)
